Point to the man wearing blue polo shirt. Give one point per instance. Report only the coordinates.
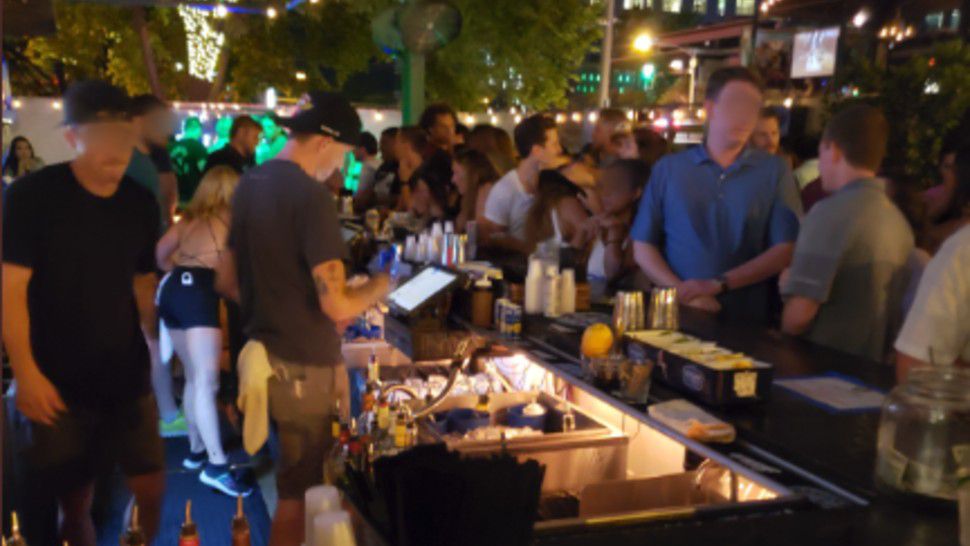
(719, 220)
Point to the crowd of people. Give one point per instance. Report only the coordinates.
(99, 255)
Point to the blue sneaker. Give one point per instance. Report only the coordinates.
(221, 479)
(195, 460)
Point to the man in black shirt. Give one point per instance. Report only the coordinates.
(240, 152)
(78, 303)
(285, 262)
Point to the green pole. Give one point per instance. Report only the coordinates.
(412, 87)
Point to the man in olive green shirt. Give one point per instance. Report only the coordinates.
(849, 272)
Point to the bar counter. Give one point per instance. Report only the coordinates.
(788, 432)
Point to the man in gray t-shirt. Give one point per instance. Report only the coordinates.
(849, 272)
(285, 266)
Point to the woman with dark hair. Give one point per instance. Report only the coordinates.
(429, 188)
(496, 144)
(557, 213)
(956, 214)
(473, 175)
(620, 188)
(20, 160)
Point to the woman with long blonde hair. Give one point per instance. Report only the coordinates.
(189, 307)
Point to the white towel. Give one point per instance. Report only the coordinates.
(253, 401)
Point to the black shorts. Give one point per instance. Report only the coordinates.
(187, 298)
(85, 443)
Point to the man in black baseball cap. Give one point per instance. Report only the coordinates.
(285, 263)
(81, 235)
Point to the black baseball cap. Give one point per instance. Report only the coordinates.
(89, 101)
(327, 114)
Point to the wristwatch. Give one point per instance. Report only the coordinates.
(723, 283)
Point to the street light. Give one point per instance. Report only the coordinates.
(643, 42)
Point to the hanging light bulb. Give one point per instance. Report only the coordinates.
(220, 11)
(271, 12)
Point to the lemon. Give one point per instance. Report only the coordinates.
(597, 340)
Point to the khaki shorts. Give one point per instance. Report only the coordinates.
(302, 401)
(85, 443)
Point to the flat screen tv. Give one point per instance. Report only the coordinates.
(814, 52)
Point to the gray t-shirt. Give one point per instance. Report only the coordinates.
(851, 256)
(284, 223)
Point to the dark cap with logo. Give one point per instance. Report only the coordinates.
(92, 101)
(327, 114)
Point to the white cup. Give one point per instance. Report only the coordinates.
(332, 529)
(318, 500)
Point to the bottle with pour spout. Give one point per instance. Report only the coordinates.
(189, 534)
(133, 536)
(240, 526)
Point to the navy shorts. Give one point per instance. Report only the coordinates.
(187, 298)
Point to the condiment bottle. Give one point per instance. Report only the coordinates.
(240, 525)
(133, 536)
(568, 291)
(551, 293)
(482, 303)
(189, 535)
(16, 539)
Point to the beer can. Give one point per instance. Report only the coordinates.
(513, 320)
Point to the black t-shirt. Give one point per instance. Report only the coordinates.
(284, 223)
(227, 155)
(188, 157)
(161, 159)
(84, 252)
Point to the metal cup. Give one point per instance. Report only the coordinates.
(664, 313)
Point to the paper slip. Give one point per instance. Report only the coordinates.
(838, 393)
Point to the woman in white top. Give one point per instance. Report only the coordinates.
(620, 189)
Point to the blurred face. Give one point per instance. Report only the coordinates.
(249, 139)
(548, 153)
(193, 130)
(602, 132)
(442, 133)
(22, 151)
(767, 135)
(421, 199)
(948, 170)
(331, 155)
(157, 126)
(459, 177)
(623, 148)
(270, 129)
(106, 146)
(733, 114)
(615, 192)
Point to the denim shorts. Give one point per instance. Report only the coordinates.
(302, 402)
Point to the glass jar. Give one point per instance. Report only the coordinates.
(924, 433)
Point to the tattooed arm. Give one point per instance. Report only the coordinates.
(341, 302)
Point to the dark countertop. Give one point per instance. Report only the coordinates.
(838, 447)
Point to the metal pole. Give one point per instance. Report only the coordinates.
(692, 85)
(412, 87)
(607, 55)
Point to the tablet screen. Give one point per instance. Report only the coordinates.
(410, 295)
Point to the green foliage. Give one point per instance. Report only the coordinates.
(99, 41)
(333, 35)
(918, 120)
(514, 51)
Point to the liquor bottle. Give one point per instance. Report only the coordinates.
(335, 424)
(373, 369)
(334, 468)
(400, 430)
(240, 525)
(16, 539)
(383, 416)
(189, 535)
(134, 536)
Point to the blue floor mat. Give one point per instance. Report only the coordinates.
(211, 511)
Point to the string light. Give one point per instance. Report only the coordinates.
(494, 120)
(789, 102)
(560, 118)
(630, 115)
(518, 119)
(592, 117)
(470, 119)
(16, 103)
(220, 11)
(56, 105)
(271, 12)
(300, 75)
(203, 40)
(577, 117)
(378, 116)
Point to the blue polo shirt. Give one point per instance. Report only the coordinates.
(707, 220)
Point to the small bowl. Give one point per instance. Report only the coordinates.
(462, 420)
(516, 419)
